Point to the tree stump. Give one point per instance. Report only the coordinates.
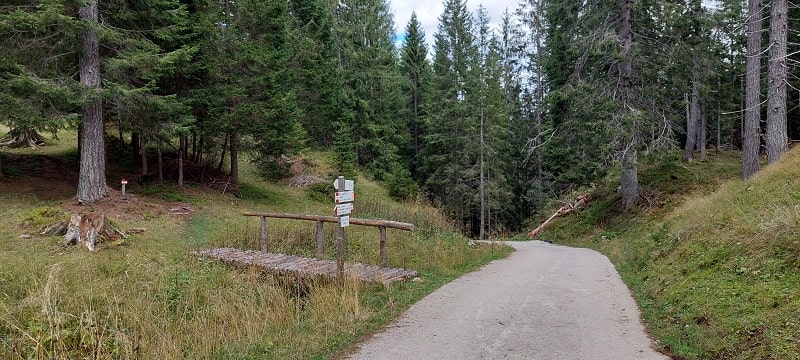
(90, 229)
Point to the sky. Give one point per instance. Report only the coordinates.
(428, 12)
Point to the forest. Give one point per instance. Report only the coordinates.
(490, 121)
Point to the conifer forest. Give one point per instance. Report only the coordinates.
(490, 121)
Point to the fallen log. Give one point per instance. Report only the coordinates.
(89, 230)
(564, 210)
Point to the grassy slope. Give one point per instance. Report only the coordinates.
(715, 267)
(147, 298)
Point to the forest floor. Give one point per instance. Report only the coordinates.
(50, 178)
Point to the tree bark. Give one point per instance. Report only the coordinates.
(234, 144)
(222, 157)
(143, 157)
(181, 155)
(692, 121)
(92, 179)
(629, 180)
(702, 139)
(90, 229)
(1, 166)
(160, 161)
(482, 233)
(752, 106)
(776, 135)
(136, 147)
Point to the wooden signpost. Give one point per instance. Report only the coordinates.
(344, 198)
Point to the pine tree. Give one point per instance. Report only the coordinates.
(118, 74)
(416, 68)
(92, 180)
(315, 65)
(251, 77)
(451, 127)
(373, 85)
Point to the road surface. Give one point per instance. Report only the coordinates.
(542, 302)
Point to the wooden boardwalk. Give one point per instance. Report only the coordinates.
(282, 264)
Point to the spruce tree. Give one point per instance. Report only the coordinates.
(416, 68)
(315, 68)
(373, 83)
(451, 125)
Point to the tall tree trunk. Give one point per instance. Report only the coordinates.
(143, 157)
(719, 127)
(160, 161)
(751, 142)
(629, 180)
(181, 155)
(234, 142)
(222, 157)
(481, 233)
(692, 121)
(92, 179)
(136, 147)
(703, 138)
(776, 135)
(629, 183)
(1, 166)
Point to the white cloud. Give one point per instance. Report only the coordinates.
(428, 12)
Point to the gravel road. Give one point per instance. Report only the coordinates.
(542, 302)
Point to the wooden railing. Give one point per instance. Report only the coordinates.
(382, 225)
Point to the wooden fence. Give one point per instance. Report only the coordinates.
(382, 225)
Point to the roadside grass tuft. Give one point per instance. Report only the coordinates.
(714, 265)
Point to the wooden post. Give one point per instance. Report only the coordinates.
(264, 240)
(320, 240)
(384, 260)
(340, 240)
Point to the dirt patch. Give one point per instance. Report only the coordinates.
(46, 177)
(50, 178)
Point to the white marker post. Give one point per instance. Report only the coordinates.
(344, 198)
(124, 182)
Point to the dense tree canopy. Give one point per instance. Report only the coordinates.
(490, 121)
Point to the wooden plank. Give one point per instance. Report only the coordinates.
(290, 265)
(384, 259)
(335, 219)
(264, 241)
(320, 241)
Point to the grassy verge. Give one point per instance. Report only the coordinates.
(713, 262)
(148, 298)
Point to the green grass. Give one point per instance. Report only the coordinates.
(148, 298)
(714, 262)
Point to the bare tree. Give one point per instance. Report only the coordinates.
(776, 135)
(752, 112)
(92, 179)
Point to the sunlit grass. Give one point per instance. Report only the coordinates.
(715, 268)
(146, 297)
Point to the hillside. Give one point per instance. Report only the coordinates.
(146, 297)
(713, 261)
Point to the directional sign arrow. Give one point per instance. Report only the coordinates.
(348, 185)
(345, 196)
(343, 209)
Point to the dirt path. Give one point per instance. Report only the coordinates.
(542, 302)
